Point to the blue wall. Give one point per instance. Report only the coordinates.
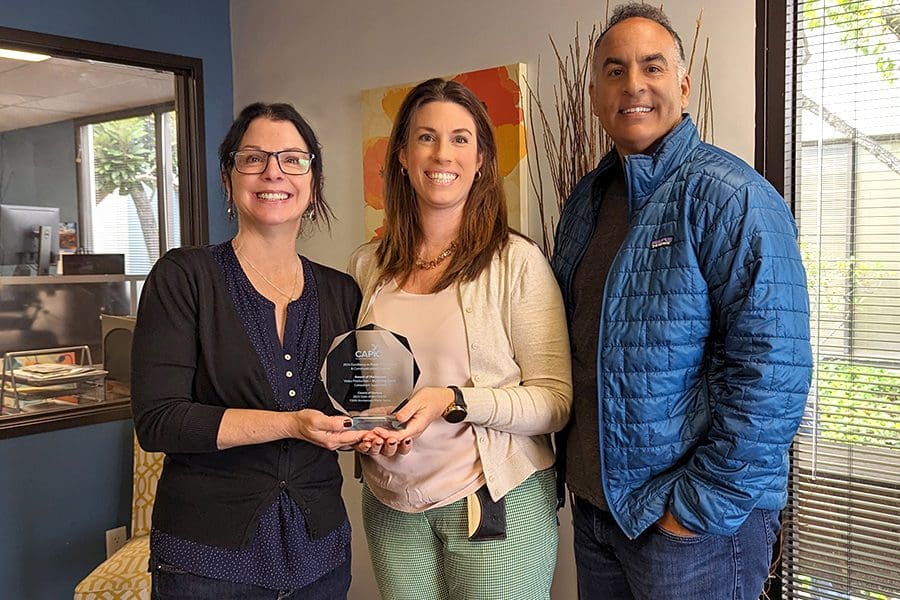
(60, 491)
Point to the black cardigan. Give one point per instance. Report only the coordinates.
(191, 361)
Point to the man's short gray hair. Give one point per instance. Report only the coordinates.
(651, 13)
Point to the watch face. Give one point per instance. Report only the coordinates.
(455, 415)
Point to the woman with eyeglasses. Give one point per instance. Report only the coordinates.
(461, 502)
(228, 345)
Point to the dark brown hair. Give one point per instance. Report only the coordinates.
(483, 230)
(278, 112)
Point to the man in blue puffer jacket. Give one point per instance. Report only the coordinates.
(689, 321)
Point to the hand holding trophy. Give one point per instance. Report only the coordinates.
(369, 373)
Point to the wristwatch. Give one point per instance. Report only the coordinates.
(456, 410)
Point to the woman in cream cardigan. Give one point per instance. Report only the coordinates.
(461, 502)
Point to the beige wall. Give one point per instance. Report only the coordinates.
(320, 55)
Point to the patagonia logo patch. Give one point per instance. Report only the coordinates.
(663, 241)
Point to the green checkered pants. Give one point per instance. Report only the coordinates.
(428, 556)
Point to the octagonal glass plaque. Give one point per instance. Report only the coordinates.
(369, 373)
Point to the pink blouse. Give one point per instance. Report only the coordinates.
(444, 465)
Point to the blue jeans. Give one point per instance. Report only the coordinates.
(658, 565)
(171, 583)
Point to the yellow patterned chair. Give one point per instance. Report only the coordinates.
(124, 575)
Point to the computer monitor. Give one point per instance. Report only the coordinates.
(29, 239)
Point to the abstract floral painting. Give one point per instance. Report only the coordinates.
(500, 90)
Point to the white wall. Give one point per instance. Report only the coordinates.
(321, 55)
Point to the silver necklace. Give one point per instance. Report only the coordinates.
(290, 296)
(427, 265)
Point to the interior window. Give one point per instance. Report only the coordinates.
(101, 153)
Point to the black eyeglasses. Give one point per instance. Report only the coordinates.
(254, 162)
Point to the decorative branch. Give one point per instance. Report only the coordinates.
(704, 118)
(573, 142)
(694, 43)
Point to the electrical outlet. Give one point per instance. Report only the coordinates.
(115, 539)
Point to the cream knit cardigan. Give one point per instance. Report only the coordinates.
(518, 358)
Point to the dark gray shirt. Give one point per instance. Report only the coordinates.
(582, 443)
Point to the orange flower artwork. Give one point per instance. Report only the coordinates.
(500, 89)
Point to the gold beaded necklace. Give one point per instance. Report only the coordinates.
(427, 265)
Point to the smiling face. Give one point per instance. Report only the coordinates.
(636, 90)
(271, 198)
(441, 155)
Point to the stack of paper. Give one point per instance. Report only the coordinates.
(51, 373)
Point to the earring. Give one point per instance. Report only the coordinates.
(230, 210)
(310, 214)
(403, 171)
(477, 175)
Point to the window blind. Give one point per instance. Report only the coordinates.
(842, 523)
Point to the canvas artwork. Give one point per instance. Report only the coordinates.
(500, 90)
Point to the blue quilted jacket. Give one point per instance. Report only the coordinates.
(704, 360)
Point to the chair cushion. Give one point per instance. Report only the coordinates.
(123, 576)
(147, 469)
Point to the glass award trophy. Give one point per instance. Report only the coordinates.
(369, 373)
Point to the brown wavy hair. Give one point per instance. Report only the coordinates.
(484, 229)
